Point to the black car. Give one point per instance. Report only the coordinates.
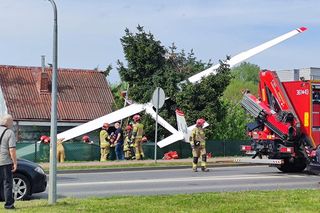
(27, 180)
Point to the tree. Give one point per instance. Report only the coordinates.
(233, 126)
(149, 65)
(117, 90)
(107, 71)
(145, 59)
(246, 72)
(245, 77)
(204, 99)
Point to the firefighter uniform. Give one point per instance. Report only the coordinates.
(60, 151)
(137, 134)
(198, 145)
(128, 146)
(104, 145)
(126, 149)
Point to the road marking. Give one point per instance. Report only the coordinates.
(195, 189)
(188, 179)
(158, 170)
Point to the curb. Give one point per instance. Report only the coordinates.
(124, 169)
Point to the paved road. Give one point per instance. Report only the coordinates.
(180, 181)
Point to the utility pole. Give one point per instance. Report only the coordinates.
(52, 197)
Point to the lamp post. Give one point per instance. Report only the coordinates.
(52, 197)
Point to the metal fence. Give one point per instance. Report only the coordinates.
(79, 151)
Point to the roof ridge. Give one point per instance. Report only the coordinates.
(61, 69)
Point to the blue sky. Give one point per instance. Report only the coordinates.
(90, 30)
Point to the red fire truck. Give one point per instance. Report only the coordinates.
(287, 123)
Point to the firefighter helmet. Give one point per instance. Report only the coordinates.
(46, 140)
(86, 138)
(200, 122)
(105, 126)
(43, 137)
(136, 117)
(128, 128)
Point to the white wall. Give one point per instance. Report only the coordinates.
(311, 73)
(288, 75)
(315, 73)
(305, 72)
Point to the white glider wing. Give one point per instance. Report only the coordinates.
(178, 137)
(183, 132)
(171, 139)
(247, 54)
(97, 123)
(161, 121)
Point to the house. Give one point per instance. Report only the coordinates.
(25, 93)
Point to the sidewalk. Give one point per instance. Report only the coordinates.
(137, 165)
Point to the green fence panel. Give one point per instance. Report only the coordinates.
(79, 151)
(43, 153)
(216, 148)
(26, 151)
(232, 148)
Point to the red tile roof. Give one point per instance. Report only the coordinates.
(82, 94)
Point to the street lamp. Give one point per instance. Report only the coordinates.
(53, 130)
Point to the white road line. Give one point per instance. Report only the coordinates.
(197, 188)
(155, 170)
(187, 179)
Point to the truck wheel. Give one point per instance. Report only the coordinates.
(298, 165)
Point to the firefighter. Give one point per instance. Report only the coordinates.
(44, 147)
(198, 145)
(128, 147)
(104, 142)
(60, 151)
(136, 137)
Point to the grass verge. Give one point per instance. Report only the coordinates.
(112, 166)
(249, 201)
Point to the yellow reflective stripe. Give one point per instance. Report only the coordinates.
(306, 119)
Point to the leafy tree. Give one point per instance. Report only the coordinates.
(204, 99)
(233, 125)
(245, 77)
(107, 71)
(145, 59)
(149, 65)
(117, 90)
(246, 72)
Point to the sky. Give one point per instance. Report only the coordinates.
(90, 30)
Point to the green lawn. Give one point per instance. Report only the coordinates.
(250, 201)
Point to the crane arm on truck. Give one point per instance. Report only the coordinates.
(274, 109)
(276, 130)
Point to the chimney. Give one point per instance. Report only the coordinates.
(43, 62)
(43, 80)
